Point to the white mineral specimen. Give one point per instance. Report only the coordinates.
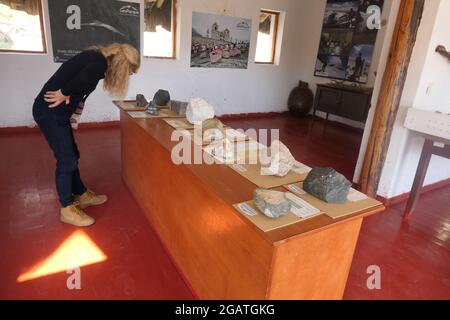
(281, 160)
(199, 110)
(222, 151)
(212, 130)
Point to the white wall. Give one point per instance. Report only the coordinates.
(260, 88)
(436, 70)
(427, 87)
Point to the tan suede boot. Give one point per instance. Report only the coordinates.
(75, 216)
(89, 198)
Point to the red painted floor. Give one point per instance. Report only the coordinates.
(414, 256)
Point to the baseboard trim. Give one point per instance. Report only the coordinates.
(87, 125)
(240, 116)
(243, 116)
(338, 124)
(403, 197)
(94, 125)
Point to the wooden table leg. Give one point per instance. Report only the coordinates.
(421, 173)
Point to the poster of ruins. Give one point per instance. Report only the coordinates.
(220, 41)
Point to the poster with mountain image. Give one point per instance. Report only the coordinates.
(347, 43)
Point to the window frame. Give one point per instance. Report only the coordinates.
(274, 36)
(43, 36)
(174, 36)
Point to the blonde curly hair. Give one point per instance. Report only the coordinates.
(123, 61)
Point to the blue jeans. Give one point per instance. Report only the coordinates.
(55, 126)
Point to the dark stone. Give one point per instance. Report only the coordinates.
(141, 101)
(327, 185)
(179, 107)
(152, 109)
(161, 98)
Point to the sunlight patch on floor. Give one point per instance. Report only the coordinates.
(78, 250)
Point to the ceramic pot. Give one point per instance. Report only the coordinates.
(301, 100)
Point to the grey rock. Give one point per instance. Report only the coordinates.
(327, 185)
(141, 101)
(179, 107)
(161, 98)
(272, 203)
(152, 109)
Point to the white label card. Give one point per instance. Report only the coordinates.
(139, 114)
(300, 207)
(356, 196)
(178, 124)
(245, 208)
(296, 189)
(239, 168)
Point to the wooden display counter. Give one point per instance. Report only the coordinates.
(220, 252)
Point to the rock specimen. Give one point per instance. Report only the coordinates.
(327, 185)
(152, 109)
(281, 160)
(212, 129)
(223, 150)
(198, 110)
(228, 150)
(272, 203)
(179, 107)
(162, 98)
(141, 101)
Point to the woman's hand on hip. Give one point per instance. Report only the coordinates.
(56, 98)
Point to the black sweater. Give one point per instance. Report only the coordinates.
(79, 76)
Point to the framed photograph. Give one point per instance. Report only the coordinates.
(346, 44)
(359, 61)
(220, 41)
(342, 15)
(79, 24)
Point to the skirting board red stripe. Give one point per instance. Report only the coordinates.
(88, 125)
(239, 116)
(404, 197)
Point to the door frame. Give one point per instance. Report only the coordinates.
(394, 78)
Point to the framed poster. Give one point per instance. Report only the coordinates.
(347, 43)
(79, 24)
(220, 41)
